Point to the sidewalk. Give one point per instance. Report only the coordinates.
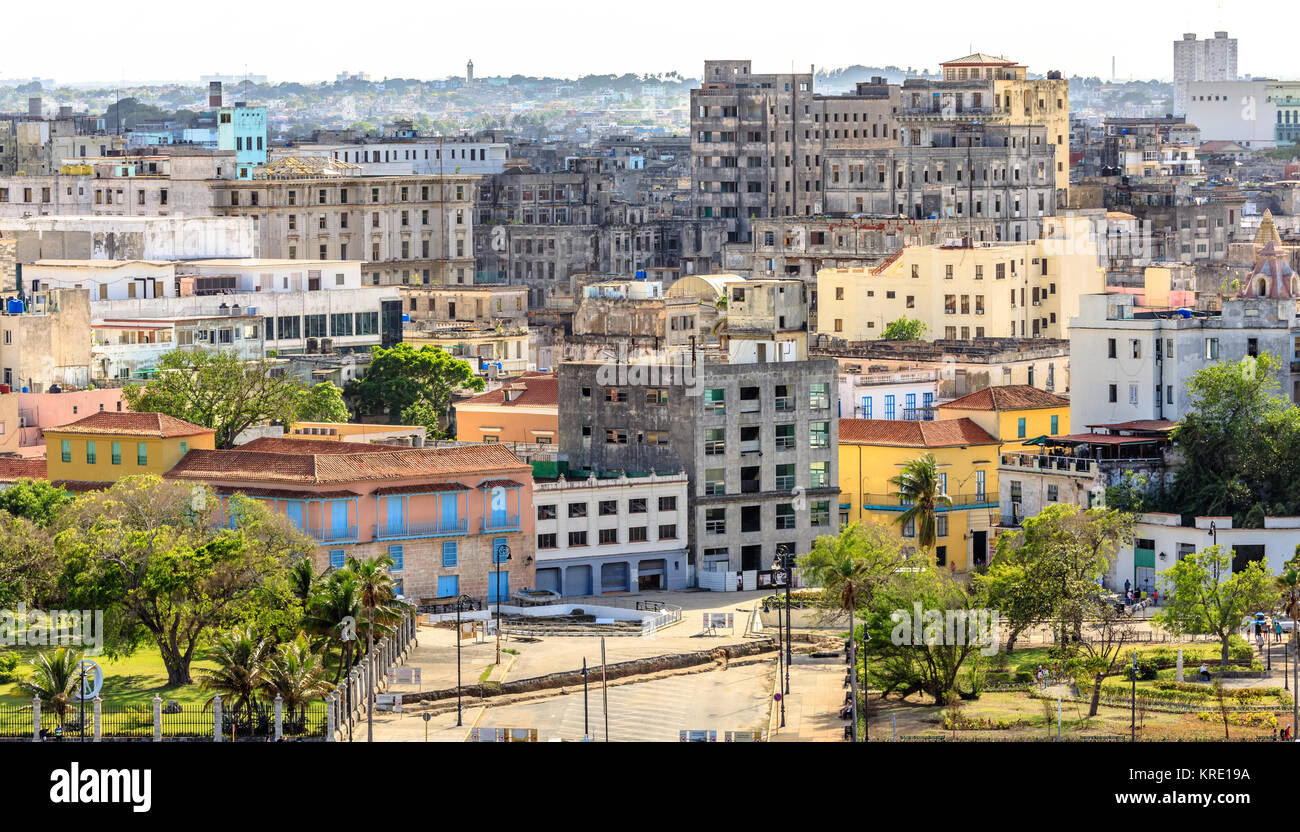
(816, 696)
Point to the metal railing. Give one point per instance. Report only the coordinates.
(421, 529)
(331, 534)
(507, 523)
(1049, 462)
(892, 501)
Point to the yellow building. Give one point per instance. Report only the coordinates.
(109, 445)
(990, 290)
(1015, 414)
(874, 451)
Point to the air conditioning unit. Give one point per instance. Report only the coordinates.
(313, 346)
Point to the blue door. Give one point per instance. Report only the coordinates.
(448, 586)
(294, 511)
(394, 523)
(499, 586)
(338, 519)
(499, 503)
(449, 521)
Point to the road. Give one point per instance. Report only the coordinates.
(736, 699)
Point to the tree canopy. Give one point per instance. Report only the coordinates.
(904, 329)
(402, 376)
(1204, 594)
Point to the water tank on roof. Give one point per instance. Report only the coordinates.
(640, 274)
(14, 306)
(1184, 313)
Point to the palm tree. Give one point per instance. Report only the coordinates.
(333, 606)
(919, 489)
(848, 567)
(296, 674)
(376, 592)
(301, 579)
(240, 656)
(52, 679)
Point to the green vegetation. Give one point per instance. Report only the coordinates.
(402, 377)
(904, 329)
(1208, 598)
(918, 488)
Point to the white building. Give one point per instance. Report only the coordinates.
(623, 534)
(1160, 541)
(404, 157)
(1130, 363)
(124, 348)
(901, 394)
(74, 237)
(1235, 111)
(1212, 59)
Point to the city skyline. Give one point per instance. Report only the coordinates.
(1143, 44)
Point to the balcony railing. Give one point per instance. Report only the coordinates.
(1048, 462)
(500, 523)
(332, 534)
(433, 528)
(892, 502)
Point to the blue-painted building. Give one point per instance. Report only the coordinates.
(243, 129)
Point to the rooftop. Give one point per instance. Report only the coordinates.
(126, 423)
(944, 433)
(532, 389)
(325, 466)
(1008, 397)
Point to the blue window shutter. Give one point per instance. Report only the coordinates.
(449, 553)
(395, 552)
(448, 586)
(1055, 424)
(497, 543)
(336, 558)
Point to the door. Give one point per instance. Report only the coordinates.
(393, 511)
(294, 511)
(499, 503)
(338, 519)
(614, 577)
(650, 574)
(449, 520)
(498, 586)
(577, 580)
(549, 579)
(979, 547)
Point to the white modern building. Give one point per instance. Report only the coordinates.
(123, 348)
(1211, 59)
(1245, 112)
(896, 394)
(1161, 540)
(614, 534)
(404, 157)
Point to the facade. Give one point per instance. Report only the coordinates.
(758, 141)
(129, 238)
(108, 445)
(493, 351)
(1212, 59)
(1256, 113)
(26, 415)
(887, 394)
(1012, 290)
(243, 129)
(46, 344)
(1013, 414)
(1161, 540)
(124, 349)
(524, 409)
(612, 534)
(873, 451)
(443, 515)
(756, 441)
(404, 229)
(404, 156)
(477, 305)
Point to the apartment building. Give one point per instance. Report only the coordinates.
(756, 441)
(107, 445)
(1135, 362)
(612, 534)
(524, 409)
(454, 520)
(404, 229)
(150, 238)
(479, 305)
(403, 154)
(962, 291)
(45, 344)
(123, 348)
(1211, 59)
(758, 141)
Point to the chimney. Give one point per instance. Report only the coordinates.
(214, 94)
(34, 106)
(65, 111)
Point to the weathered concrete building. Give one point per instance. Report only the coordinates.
(757, 442)
(479, 305)
(48, 343)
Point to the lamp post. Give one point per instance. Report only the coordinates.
(463, 602)
(502, 555)
(787, 563)
(83, 701)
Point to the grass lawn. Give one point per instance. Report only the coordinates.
(131, 680)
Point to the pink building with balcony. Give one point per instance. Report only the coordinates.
(454, 520)
(36, 411)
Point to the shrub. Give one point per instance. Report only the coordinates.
(8, 667)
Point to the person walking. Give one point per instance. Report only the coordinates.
(1277, 631)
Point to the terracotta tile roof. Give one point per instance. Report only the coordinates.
(944, 433)
(538, 390)
(1144, 425)
(420, 488)
(1009, 397)
(500, 483)
(286, 493)
(14, 468)
(332, 468)
(126, 423)
(288, 445)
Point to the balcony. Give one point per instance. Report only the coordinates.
(435, 528)
(1081, 466)
(500, 523)
(892, 502)
(341, 534)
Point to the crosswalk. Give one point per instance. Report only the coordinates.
(732, 700)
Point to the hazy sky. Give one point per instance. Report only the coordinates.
(312, 41)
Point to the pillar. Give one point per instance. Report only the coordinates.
(216, 717)
(157, 718)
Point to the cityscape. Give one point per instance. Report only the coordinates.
(947, 399)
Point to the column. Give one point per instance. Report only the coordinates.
(99, 723)
(157, 718)
(216, 717)
(279, 717)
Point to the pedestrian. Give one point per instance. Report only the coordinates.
(1204, 672)
(1155, 597)
(1277, 630)
(1127, 586)
(1259, 639)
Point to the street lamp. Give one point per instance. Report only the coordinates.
(787, 565)
(464, 602)
(502, 555)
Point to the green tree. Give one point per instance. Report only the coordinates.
(1204, 595)
(217, 390)
(332, 614)
(402, 375)
(296, 674)
(29, 569)
(52, 679)
(156, 558)
(376, 592)
(905, 329)
(429, 417)
(240, 658)
(849, 568)
(322, 402)
(919, 489)
(36, 500)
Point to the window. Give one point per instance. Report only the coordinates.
(65, 450)
(715, 441)
(820, 513)
(1055, 424)
(577, 510)
(615, 436)
(637, 534)
(116, 450)
(336, 558)
(615, 394)
(607, 508)
(577, 538)
(785, 437)
(715, 520)
(819, 434)
(819, 474)
(819, 395)
(608, 536)
(448, 586)
(667, 503)
(91, 455)
(941, 525)
(546, 541)
(715, 401)
(395, 552)
(668, 531)
(450, 553)
(1114, 393)
(1052, 492)
(715, 481)
(1133, 394)
(1211, 349)
(141, 453)
(500, 550)
(1136, 346)
(1020, 428)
